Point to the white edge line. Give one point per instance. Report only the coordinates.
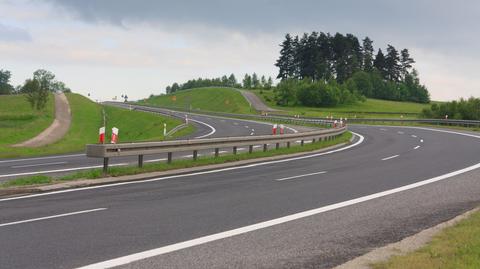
(38, 164)
(42, 158)
(417, 147)
(261, 225)
(299, 176)
(60, 170)
(360, 140)
(206, 124)
(391, 157)
(52, 217)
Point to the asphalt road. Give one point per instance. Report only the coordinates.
(206, 127)
(311, 212)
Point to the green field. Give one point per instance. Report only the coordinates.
(457, 247)
(207, 99)
(19, 122)
(371, 108)
(87, 119)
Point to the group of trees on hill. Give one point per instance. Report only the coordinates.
(36, 89)
(464, 109)
(249, 82)
(323, 57)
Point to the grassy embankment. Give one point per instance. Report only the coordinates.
(456, 247)
(371, 108)
(176, 164)
(203, 99)
(86, 120)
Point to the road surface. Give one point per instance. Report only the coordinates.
(311, 212)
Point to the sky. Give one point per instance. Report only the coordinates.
(112, 47)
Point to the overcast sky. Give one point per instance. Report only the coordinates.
(136, 47)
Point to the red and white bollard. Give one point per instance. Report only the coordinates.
(282, 129)
(101, 135)
(335, 124)
(114, 139)
(274, 129)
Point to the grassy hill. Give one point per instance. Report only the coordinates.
(371, 108)
(87, 119)
(19, 122)
(208, 99)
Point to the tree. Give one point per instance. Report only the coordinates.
(269, 83)
(168, 89)
(174, 87)
(285, 62)
(263, 82)
(45, 78)
(406, 62)
(5, 86)
(36, 93)
(255, 81)
(247, 81)
(232, 81)
(392, 64)
(367, 54)
(380, 64)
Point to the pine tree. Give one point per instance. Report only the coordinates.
(392, 64)
(406, 63)
(367, 54)
(232, 81)
(247, 82)
(269, 83)
(286, 63)
(255, 81)
(380, 65)
(263, 82)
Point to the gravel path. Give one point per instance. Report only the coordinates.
(57, 129)
(255, 102)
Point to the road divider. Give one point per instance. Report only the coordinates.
(107, 151)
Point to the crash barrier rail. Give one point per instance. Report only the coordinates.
(140, 149)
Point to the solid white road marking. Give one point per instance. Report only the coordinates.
(235, 123)
(391, 157)
(299, 176)
(42, 158)
(156, 160)
(414, 136)
(60, 170)
(416, 147)
(206, 124)
(360, 141)
(38, 164)
(262, 225)
(51, 217)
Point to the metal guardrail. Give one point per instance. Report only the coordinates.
(140, 149)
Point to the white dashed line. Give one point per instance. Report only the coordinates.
(299, 176)
(416, 147)
(391, 157)
(414, 136)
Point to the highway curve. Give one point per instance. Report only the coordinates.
(311, 212)
(206, 127)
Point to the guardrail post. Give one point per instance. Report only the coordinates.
(105, 166)
(277, 145)
(217, 152)
(234, 150)
(265, 146)
(195, 155)
(313, 140)
(250, 149)
(288, 144)
(140, 161)
(169, 157)
(302, 142)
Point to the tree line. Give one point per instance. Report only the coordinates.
(36, 89)
(249, 82)
(464, 109)
(326, 57)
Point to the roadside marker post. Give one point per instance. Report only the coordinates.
(164, 129)
(101, 135)
(274, 129)
(114, 139)
(282, 128)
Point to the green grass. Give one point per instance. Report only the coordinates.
(19, 122)
(208, 99)
(176, 164)
(87, 119)
(371, 108)
(456, 247)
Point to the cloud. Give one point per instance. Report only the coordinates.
(13, 34)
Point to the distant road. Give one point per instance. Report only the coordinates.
(316, 211)
(256, 102)
(206, 127)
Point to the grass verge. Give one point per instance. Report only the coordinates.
(456, 247)
(87, 119)
(176, 164)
